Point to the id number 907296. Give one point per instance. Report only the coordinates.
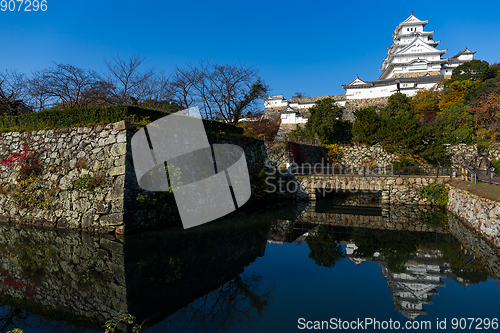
(23, 5)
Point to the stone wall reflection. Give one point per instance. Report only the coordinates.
(475, 246)
(76, 273)
(150, 275)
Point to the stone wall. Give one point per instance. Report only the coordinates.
(482, 214)
(460, 153)
(354, 104)
(414, 74)
(364, 155)
(88, 180)
(82, 182)
(375, 155)
(285, 129)
(402, 190)
(278, 154)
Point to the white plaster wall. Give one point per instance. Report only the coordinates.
(275, 104)
(291, 118)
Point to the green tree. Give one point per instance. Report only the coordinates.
(366, 126)
(326, 122)
(400, 131)
(484, 88)
(452, 126)
(456, 125)
(474, 70)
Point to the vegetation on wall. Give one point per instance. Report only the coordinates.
(438, 193)
(74, 117)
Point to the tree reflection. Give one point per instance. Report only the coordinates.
(324, 246)
(9, 317)
(236, 303)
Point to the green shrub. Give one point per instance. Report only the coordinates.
(438, 193)
(74, 117)
(496, 165)
(89, 183)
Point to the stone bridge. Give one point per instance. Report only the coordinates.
(395, 190)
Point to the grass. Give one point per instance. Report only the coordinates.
(482, 190)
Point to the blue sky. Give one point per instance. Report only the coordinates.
(313, 47)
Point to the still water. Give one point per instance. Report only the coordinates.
(274, 270)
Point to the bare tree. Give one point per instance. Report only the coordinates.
(156, 89)
(101, 93)
(299, 95)
(128, 81)
(14, 84)
(233, 89)
(67, 84)
(39, 96)
(13, 90)
(183, 86)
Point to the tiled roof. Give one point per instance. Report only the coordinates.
(386, 82)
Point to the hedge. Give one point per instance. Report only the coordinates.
(74, 117)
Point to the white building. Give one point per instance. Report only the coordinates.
(295, 111)
(290, 115)
(413, 62)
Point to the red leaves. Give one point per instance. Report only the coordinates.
(17, 159)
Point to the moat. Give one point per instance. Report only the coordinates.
(273, 270)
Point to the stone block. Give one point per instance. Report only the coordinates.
(117, 192)
(102, 207)
(110, 140)
(119, 126)
(62, 223)
(88, 219)
(111, 219)
(117, 171)
(119, 149)
(121, 138)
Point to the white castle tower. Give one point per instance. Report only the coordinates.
(413, 62)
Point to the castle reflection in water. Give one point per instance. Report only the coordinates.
(199, 276)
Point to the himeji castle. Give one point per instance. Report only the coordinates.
(413, 62)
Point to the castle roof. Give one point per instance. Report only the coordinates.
(464, 51)
(358, 83)
(411, 20)
(289, 109)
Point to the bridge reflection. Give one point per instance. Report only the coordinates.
(416, 248)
